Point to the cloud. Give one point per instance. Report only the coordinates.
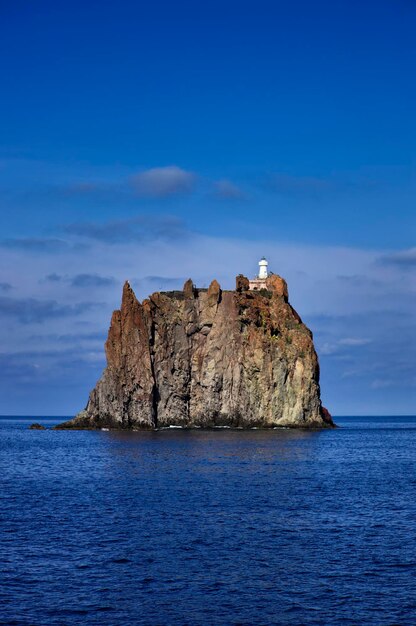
(5, 286)
(28, 310)
(160, 182)
(33, 367)
(340, 346)
(35, 244)
(159, 283)
(361, 181)
(118, 185)
(405, 259)
(360, 281)
(92, 280)
(82, 280)
(381, 346)
(71, 338)
(53, 278)
(17, 368)
(142, 228)
(354, 341)
(166, 279)
(227, 190)
(382, 383)
(360, 313)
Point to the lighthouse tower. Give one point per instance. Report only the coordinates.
(263, 268)
(255, 284)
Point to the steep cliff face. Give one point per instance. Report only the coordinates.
(207, 358)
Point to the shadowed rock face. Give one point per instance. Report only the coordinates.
(207, 358)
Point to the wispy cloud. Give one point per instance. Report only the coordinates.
(82, 280)
(227, 190)
(360, 311)
(5, 287)
(159, 283)
(161, 182)
(383, 383)
(360, 281)
(362, 181)
(92, 280)
(35, 244)
(141, 228)
(28, 310)
(354, 341)
(72, 338)
(28, 370)
(405, 259)
(338, 347)
(53, 278)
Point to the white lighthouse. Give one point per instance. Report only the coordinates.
(259, 282)
(263, 268)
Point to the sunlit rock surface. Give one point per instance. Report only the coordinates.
(206, 358)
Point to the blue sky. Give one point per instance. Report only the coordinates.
(157, 141)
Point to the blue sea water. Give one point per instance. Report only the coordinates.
(209, 527)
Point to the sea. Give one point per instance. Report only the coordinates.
(220, 527)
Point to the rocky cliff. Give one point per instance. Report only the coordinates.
(204, 358)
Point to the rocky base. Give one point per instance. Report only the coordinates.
(85, 422)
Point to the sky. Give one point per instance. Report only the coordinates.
(160, 141)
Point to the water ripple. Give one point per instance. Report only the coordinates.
(227, 527)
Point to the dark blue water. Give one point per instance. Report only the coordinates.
(225, 527)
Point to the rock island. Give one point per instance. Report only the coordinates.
(207, 358)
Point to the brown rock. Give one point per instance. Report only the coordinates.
(278, 285)
(326, 416)
(214, 293)
(207, 358)
(189, 289)
(241, 283)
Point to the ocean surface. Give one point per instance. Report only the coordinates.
(209, 527)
